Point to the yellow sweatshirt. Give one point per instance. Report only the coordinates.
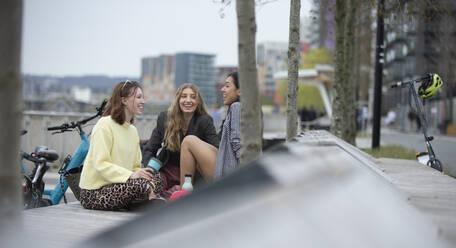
(114, 154)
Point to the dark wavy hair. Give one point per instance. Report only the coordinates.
(115, 108)
(234, 76)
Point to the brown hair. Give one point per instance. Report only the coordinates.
(115, 108)
(176, 121)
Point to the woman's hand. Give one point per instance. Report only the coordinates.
(145, 173)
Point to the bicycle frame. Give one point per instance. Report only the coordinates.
(77, 159)
(56, 194)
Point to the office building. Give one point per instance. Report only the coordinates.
(198, 69)
(157, 77)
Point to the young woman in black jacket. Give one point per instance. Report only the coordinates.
(199, 156)
(187, 116)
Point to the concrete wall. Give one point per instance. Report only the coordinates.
(36, 123)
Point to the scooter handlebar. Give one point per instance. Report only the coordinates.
(395, 85)
(418, 80)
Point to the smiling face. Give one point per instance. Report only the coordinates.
(188, 101)
(134, 103)
(230, 92)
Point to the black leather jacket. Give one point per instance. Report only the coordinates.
(201, 126)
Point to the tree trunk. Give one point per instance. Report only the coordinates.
(448, 46)
(10, 108)
(251, 140)
(293, 69)
(338, 105)
(349, 133)
(343, 122)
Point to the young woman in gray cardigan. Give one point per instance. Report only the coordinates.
(198, 155)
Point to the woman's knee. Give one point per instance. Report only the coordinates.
(189, 141)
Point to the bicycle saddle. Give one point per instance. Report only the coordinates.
(46, 153)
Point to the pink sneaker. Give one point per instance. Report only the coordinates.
(178, 194)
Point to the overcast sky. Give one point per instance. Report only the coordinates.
(109, 37)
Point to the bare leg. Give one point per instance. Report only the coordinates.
(152, 195)
(199, 155)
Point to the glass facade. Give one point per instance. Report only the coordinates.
(198, 69)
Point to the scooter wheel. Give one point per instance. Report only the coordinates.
(435, 164)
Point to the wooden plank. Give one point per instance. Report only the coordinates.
(63, 225)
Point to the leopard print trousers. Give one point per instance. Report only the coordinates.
(120, 195)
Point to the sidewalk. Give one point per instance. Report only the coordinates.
(366, 142)
(436, 135)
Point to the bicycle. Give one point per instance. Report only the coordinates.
(430, 84)
(34, 185)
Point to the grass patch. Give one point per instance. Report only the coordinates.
(392, 151)
(363, 134)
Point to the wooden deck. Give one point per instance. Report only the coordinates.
(65, 225)
(431, 192)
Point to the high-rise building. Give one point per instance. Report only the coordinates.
(322, 31)
(198, 69)
(271, 58)
(157, 77)
(419, 45)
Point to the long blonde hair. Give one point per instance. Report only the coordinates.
(176, 122)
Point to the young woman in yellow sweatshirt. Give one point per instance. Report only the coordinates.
(112, 177)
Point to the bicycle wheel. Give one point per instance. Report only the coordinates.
(27, 192)
(33, 196)
(45, 203)
(435, 164)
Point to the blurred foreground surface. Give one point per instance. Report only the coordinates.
(317, 192)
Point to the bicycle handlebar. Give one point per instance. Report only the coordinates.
(68, 127)
(63, 126)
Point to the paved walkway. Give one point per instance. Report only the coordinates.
(444, 146)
